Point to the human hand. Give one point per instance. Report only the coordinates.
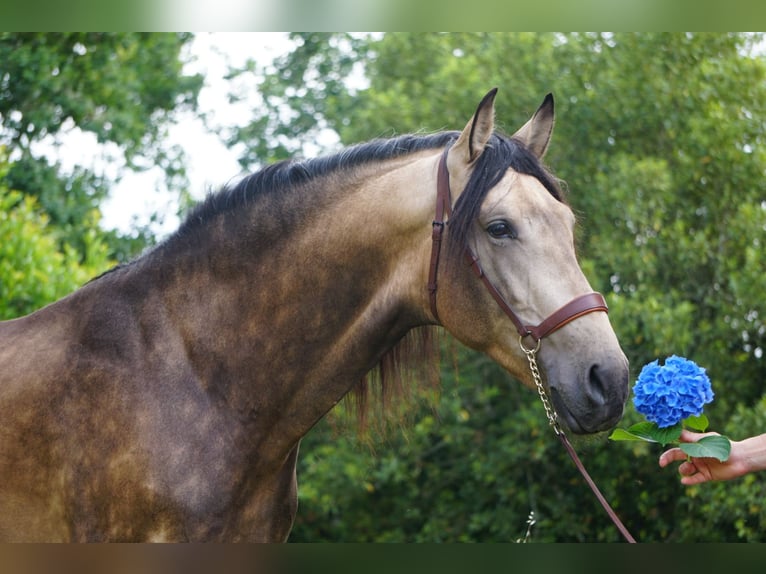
(696, 470)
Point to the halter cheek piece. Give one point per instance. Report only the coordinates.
(577, 307)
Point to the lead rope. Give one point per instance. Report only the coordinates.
(550, 412)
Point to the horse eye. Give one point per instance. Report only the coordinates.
(501, 230)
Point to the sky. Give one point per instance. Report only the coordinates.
(210, 163)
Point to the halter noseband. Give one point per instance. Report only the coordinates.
(577, 307)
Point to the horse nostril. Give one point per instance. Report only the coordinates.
(596, 387)
(608, 384)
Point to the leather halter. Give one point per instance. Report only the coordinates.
(577, 307)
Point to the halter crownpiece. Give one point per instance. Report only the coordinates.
(577, 307)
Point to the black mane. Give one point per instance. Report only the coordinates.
(292, 173)
(500, 153)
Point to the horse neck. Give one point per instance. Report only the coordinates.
(283, 329)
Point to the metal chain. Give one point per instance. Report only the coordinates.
(550, 412)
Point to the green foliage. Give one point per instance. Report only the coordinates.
(309, 82)
(119, 86)
(122, 87)
(35, 267)
(660, 140)
(414, 485)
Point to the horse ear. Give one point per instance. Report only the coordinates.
(536, 133)
(472, 141)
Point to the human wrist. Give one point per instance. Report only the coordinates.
(753, 450)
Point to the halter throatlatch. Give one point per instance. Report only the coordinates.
(577, 307)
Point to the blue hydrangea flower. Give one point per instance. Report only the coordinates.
(668, 394)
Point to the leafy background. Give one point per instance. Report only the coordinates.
(660, 140)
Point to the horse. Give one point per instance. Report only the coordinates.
(166, 399)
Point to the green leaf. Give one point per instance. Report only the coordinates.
(699, 423)
(665, 435)
(640, 431)
(645, 430)
(622, 434)
(715, 446)
(649, 432)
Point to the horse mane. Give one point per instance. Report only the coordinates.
(387, 390)
(285, 176)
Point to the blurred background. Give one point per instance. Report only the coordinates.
(106, 139)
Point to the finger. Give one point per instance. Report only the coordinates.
(689, 436)
(671, 455)
(697, 478)
(687, 468)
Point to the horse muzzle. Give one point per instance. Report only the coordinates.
(595, 400)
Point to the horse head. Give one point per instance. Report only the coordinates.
(508, 213)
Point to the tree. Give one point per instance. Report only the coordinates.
(35, 267)
(297, 96)
(124, 88)
(660, 139)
